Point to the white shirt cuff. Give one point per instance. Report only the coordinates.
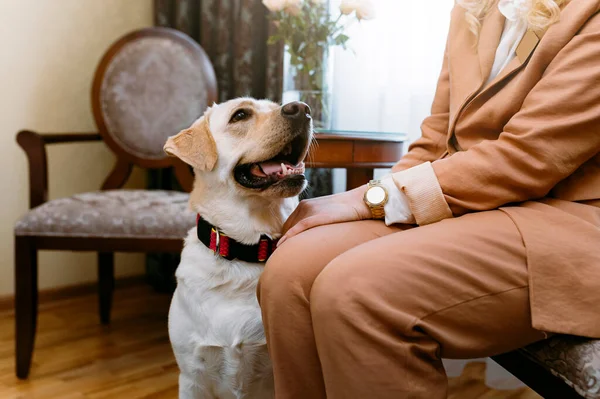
(396, 209)
(422, 189)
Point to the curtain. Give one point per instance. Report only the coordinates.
(234, 35)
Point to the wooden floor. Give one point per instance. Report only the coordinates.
(76, 358)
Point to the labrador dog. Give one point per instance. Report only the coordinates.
(247, 157)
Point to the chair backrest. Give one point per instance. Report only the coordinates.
(149, 85)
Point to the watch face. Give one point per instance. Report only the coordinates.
(375, 195)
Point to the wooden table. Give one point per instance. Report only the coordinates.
(360, 153)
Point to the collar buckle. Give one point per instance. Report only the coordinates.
(217, 249)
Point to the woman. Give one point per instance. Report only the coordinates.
(504, 186)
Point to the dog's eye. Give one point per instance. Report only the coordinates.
(240, 115)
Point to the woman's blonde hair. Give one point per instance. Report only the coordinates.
(540, 15)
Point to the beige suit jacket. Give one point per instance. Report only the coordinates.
(527, 143)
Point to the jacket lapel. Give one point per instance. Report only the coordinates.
(526, 48)
(465, 72)
(515, 64)
(473, 60)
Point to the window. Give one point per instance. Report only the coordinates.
(388, 85)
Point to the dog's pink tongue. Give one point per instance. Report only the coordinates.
(270, 167)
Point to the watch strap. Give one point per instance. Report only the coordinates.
(378, 212)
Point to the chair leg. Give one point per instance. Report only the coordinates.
(26, 303)
(106, 284)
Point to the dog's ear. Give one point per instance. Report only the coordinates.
(194, 146)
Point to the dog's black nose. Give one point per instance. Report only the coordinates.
(295, 110)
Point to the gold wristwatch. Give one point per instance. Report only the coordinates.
(376, 197)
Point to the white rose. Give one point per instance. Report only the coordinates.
(275, 5)
(348, 6)
(293, 7)
(365, 10)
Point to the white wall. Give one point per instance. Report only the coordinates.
(48, 53)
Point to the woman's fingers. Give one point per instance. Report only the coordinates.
(305, 224)
(315, 212)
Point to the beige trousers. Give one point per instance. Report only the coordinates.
(362, 310)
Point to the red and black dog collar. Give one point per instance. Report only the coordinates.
(230, 249)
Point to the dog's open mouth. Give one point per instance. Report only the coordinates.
(287, 164)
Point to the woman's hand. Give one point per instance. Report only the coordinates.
(337, 208)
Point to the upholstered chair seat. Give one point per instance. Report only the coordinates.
(111, 214)
(575, 360)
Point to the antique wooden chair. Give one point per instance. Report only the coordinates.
(148, 86)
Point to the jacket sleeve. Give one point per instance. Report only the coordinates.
(432, 143)
(556, 130)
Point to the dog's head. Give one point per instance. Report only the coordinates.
(255, 147)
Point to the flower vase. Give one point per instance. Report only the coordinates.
(310, 81)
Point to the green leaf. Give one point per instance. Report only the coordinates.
(341, 39)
